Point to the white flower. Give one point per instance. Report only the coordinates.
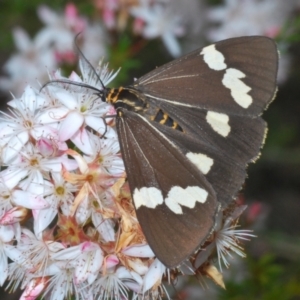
(85, 106)
(154, 276)
(34, 288)
(113, 284)
(109, 8)
(59, 194)
(18, 275)
(85, 258)
(33, 253)
(9, 197)
(30, 167)
(136, 252)
(227, 240)
(60, 30)
(160, 21)
(105, 227)
(61, 284)
(30, 64)
(99, 77)
(142, 250)
(51, 46)
(7, 233)
(72, 269)
(227, 237)
(253, 17)
(83, 109)
(94, 42)
(94, 184)
(6, 197)
(28, 119)
(248, 17)
(107, 153)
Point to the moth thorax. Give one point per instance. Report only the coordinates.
(127, 98)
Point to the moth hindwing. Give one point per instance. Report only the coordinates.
(187, 131)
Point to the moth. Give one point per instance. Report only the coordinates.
(187, 131)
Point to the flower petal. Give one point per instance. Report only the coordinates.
(29, 200)
(67, 99)
(154, 275)
(14, 146)
(3, 267)
(82, 141)
(70, 125)
(96, 123)
(142, 250)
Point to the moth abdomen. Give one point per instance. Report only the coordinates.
(164, 118)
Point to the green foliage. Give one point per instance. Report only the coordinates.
(290, 32)
(215, 2)
(120, 54)
(267, 280)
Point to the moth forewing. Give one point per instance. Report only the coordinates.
(175, 204)
(243, 82)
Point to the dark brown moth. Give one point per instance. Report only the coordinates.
(187, 131)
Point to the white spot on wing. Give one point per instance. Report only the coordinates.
(218, 122)
(177, 197)
(239, 90)
(173, 206)
(213, 58)
(188, 197)
(202, 161)
(147, 196)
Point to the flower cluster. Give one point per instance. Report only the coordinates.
(67, 222)
(51, 47)
(142, 20)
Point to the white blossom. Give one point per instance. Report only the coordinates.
(28, 120)
(248, 17)
(160, 21)
(7, 233)
(112, 284)
(31, 62)
(107, 153)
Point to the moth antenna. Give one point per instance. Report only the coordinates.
(102, 136)
(106, 117)
(99, 93)
(86, 60)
